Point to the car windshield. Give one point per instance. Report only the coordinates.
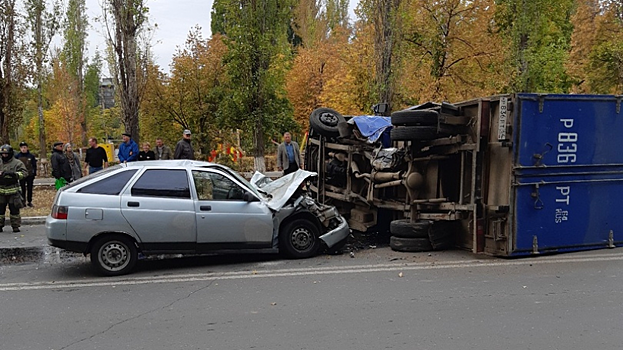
(92, 176)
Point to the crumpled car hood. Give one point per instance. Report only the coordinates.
(282, 189)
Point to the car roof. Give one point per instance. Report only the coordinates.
(178, 163)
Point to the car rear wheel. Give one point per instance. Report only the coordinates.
(299, 239)
(114, 255)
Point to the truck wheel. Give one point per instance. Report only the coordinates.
(299, 239)
(410, 244)
(406, 229)
(325, 121)
(417, 117)
(414, 133)
(442, 234)
(114, 255)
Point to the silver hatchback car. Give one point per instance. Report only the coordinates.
(162, 207)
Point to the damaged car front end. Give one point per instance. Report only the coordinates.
(295, 212)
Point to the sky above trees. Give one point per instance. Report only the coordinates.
(174, 20)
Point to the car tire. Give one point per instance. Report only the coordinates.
(417, 117)
(410, 244)
(407, 229)
(325, 121)
(114, 255)
(299, 239)
(442, 233)
(415, 133)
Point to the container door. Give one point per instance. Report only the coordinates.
(567, 173)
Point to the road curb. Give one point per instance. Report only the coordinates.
(34, 220)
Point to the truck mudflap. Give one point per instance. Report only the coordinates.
(337, 234)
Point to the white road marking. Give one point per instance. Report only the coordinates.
(298, 272)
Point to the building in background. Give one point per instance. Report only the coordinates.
(107, 93)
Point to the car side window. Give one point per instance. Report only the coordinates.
(111, 185)
(170, 183)
(213, 186)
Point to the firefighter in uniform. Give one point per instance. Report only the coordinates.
(11, 171)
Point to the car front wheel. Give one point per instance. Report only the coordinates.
(299, 239)
(114, 255)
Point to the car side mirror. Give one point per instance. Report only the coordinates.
(249, 197)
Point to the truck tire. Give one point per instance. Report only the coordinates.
(442, 233)
(414, 133)
(325, 121)
(410, 117)
(407, 229)
(410, 244)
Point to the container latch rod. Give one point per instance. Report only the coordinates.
(538, 203)
(538, 157)
(611, 239)
(535, 245)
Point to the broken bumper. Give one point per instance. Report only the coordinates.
(339, 233)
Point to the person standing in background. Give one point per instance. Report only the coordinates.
(60, 171)
(146, 153)
(183, 149)
(288, 155)
(128, 150)
(96, 158)
(73, 163)
(30, 162)
(162, 152)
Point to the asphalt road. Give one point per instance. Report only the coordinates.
(377, 300)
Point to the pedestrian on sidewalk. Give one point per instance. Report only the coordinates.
(288, 155)
(96, 158)
(60, 171)
(73, 163)
(30, 162)
(163, 152)
(184, 149)
(11, 171)
(128, 150)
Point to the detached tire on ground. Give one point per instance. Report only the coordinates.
(415, 133)
(407, 229)
(325, 121)
(114, 255)
(417, 117)
(410, 244)
(299, 239)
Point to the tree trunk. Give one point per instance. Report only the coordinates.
(386, 26)
(258, 151)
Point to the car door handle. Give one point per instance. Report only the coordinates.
(205, 207)
(133, 204)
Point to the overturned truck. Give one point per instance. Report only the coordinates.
(506, 175)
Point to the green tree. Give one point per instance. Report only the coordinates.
(74, 50)
(540, 34)
(257, 60)
(43, 22)
(13, 69)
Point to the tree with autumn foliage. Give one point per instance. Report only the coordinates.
(191, 96)
(596, 58)
(451, 52)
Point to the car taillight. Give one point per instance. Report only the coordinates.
(59, 212)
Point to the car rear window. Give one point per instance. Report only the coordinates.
(111, 185)
(162, 183)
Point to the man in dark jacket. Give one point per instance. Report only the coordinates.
(30, 162)
(11, 171)
(183, 149)
(58, 161)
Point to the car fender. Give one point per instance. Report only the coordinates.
(132, 236)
